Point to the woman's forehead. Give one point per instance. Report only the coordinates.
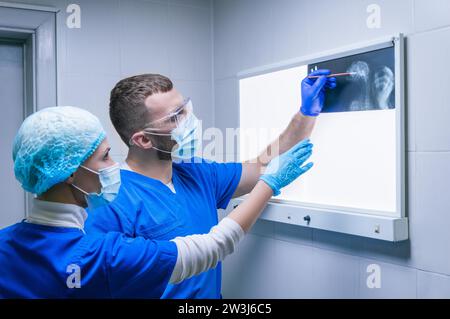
(102, 148)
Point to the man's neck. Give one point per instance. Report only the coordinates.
(149, 164)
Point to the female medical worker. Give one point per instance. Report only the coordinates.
(61, 154)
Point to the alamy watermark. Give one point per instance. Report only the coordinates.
(374, 278)
(74, 278)
(73, 20)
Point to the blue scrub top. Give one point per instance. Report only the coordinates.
(146, 207)
(37, 261)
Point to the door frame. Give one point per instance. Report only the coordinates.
(35, 28)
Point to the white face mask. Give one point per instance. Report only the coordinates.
(110, 184)
(185, 134)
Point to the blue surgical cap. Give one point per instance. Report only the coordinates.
(51, 144)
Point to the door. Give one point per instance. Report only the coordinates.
(12, 197)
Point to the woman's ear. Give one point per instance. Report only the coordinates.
(141, 140)
(70, 180)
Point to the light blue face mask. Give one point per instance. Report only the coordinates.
(110, 183)
(186, 137)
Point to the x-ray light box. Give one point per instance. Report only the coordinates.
(357, 184)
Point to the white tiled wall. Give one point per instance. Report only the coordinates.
(120, 38)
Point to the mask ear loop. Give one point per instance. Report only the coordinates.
(78, 188)
(158, 149)
(90, 170)
(157, 134)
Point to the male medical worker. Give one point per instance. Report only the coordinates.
(61, 154)
(161, 198)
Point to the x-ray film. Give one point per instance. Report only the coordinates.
(371, 85)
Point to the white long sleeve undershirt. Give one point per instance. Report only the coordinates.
(198, 253)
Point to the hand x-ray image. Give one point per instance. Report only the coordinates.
(371, 85)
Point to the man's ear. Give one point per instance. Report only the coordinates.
(141, 140)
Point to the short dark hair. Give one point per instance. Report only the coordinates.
(127, 108)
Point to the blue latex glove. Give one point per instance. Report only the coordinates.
(284, 169)
(313, 92)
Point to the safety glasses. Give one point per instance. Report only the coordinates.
(171, 120)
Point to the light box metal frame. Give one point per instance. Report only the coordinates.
(360, 222)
